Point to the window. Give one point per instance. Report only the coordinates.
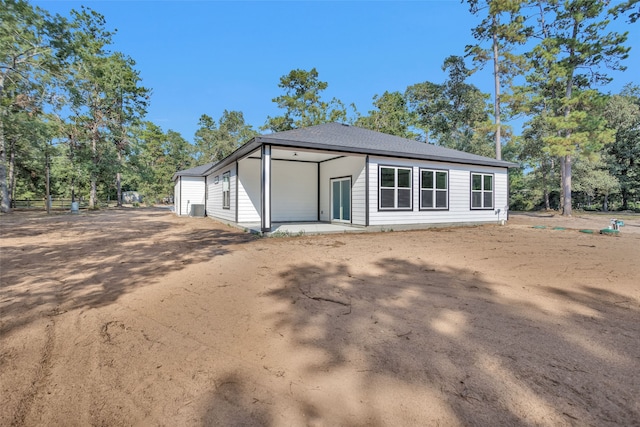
(434, 189)
(226, 191)
(395, 188)
(481, 191)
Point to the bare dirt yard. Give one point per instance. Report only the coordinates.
(138, 317)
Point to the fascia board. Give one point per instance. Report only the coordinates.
(384, 153)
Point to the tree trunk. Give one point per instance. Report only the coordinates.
(5, 203)
(119, 181)
(93, 194)
(93, 199)
(47, 184)
(566, 186)
(547, 205)
(562, 169)
(605, 203)
(12, 171)
(496, 82)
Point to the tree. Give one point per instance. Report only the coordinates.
(29, 42)
(564, 66)
(623, 116)
(536, 157)
(454, 113)
(86, 85)
(303, 104)
(215, 142)
(503, 36)
(128, 105)
(179, 152)
(594, 180)
(150, 168)
(391, 116)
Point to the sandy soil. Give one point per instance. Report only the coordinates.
(137, 317)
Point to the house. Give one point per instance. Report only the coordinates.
(189, 189)
(344, 174)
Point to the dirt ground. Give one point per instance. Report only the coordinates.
(138, 317)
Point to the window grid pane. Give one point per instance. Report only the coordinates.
(427, 179)
(488, 182)
(404, 178)
(476, 199)
(404, 198)
(476, 182)
(441, 180)
(387, 177)
(427, 199)
(488, 199)
(387, 198)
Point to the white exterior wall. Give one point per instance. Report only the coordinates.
(354, 167)
(459, 194)
(249, 190)
(214, 194)
(176, 196)
(294, 191)
(190, 191)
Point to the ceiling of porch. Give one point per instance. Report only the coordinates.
(298, 155)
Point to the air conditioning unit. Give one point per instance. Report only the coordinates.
(197, 210)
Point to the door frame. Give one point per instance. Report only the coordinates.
(331, 181)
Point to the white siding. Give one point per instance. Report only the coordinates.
(249, 190)
(214, 194)
(459, 195)
(294, 191)
(191, 191)
(354, 167)
(176, 197)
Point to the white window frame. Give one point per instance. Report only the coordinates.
(483, 192)
(434, 190)
(396, 189)
(226, 190)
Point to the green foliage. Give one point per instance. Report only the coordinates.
(454, 113)
(153, 159)
(215, 142)
(391, 116)
(622, 113)
(564, 68)
(303, 103)
(504, 27)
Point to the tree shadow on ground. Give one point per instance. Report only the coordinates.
(489, 359)
(59, 263)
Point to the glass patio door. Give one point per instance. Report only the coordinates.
(341, 199)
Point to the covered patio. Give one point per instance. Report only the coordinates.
(300, 228)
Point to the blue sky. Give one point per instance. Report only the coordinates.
(202, 57)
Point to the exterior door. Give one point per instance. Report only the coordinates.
(341, 199)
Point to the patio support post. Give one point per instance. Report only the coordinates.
(265, 185)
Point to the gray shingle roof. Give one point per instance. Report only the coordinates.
(197, 171)
(339, 137)
(351, 139)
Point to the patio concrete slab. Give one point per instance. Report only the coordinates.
(295, 228)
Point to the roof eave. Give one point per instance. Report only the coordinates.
(355, 150)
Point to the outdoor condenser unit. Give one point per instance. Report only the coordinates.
(197, 210)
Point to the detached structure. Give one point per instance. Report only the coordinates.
(343, 174)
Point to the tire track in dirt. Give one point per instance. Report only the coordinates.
(37, 384)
